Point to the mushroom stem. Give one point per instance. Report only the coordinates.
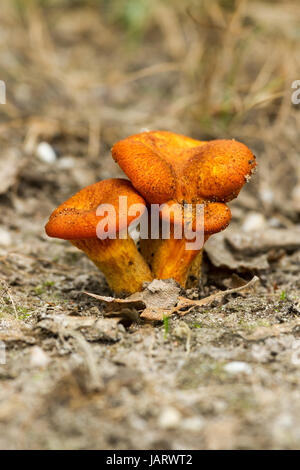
(119, 260)
(170, 259)
(195, 271)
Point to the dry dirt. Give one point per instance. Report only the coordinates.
(225, 376)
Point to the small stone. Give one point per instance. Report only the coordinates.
(274, 222)
(260, 353)
(5, 237)
(46, 153)
(193, 424)
(38, 357)
(66, 163)
(169, 418)
(253, 221)
(267, 195)
(238, 367)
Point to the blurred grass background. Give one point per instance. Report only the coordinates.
(84, 74)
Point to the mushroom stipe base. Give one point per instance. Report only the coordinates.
(123, 266)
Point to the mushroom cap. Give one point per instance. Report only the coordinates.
(150, 160)
(76, 218)
(217, 216)
(164, 166)
(219, 170)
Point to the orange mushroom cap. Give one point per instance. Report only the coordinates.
(164, 166)
(76, 218)
(217, 216)
(219, 170)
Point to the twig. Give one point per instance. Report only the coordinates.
(184, 302)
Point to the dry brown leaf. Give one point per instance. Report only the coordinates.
(161, 299)
(159, 296)
(184, 303)
(121, 307)
(113, 302)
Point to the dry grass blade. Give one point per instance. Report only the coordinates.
(6, 288)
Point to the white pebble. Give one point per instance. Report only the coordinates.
(267, 195)
(192, 424)
(253, 221)
(46, 153)
(38, 357)
(274, 222)
(5, 237)
(169, 418)
(238, 367)
(66, 163)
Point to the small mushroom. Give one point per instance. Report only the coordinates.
(168, 168)
(117, 257)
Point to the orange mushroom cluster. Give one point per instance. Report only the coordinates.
(166, 169)
(169, 168)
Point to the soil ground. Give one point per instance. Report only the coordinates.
(80, 77)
